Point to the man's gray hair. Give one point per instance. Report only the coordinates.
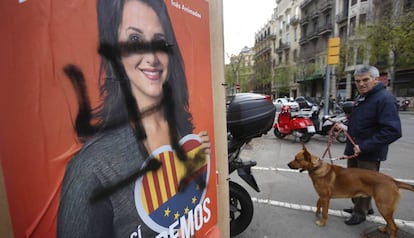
(367, 69)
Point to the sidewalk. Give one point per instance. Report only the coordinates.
(409, 111)
(284, 207)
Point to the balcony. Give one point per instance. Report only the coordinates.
(341, 17)
(294, 20)
(325, 29)
(314, 15)
(313, 36)
(303, 40)
(327, 6)
(282, 47)
(305, 3)
(304, 20)
(262, 51)
(272, 37)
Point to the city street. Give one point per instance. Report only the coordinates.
(284, 208)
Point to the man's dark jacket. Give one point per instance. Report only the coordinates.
(374, 124)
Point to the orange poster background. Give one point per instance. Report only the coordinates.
(39, 37)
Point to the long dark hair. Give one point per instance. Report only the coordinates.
(114, 111)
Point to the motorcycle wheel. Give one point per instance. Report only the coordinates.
(341, 137)
(278, 134)
(241, 209)
(305, 137)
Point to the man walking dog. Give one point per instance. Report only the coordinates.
(374, 123)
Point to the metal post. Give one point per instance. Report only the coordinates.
(327, 89)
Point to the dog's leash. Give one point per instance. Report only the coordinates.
(337, 127)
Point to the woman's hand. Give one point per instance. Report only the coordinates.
(205, 141)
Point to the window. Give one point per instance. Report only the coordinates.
(295, 55)
(287, 57)
(362, 19)
(353, 2)
(352, 26)
(342, 32)
(351, 60)
(360, 55)
(409, 4)
(327, 19)
(295, 34)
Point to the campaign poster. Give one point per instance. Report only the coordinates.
(39, 107)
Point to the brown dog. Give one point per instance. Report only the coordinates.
(333, 181)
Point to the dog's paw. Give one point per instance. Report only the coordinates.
(320, 223)
(383, 229)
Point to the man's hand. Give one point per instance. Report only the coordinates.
(357, 151)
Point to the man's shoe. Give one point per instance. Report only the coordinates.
(350, 210)
(354, 220)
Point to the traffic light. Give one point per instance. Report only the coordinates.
(333, 50)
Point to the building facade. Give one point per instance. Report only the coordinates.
(264, 58)
(290, 51)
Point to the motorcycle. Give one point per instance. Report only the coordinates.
(404, 104)
(298, 125)
(324, 124)
(248, 116)
(241, 205)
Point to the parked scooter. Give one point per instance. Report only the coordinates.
(248, 116)
(297, 125)
(324, 124)
(404, 105)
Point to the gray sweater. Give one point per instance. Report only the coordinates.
(102, 161)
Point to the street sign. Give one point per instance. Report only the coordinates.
(333, 50)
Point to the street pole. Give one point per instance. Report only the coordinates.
(237, 79)
(327, 87)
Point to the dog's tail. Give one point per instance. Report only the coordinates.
(405, 185)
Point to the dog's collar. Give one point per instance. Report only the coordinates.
(316, 167)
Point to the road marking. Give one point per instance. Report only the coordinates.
(338, 213)
(410, 181)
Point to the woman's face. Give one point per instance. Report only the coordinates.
(146, 71)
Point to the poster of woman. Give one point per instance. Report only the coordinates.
(127, 152)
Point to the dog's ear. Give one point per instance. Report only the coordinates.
(306, 154)
(304, 147)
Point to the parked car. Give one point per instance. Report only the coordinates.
(305, 102)
(279, 102)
